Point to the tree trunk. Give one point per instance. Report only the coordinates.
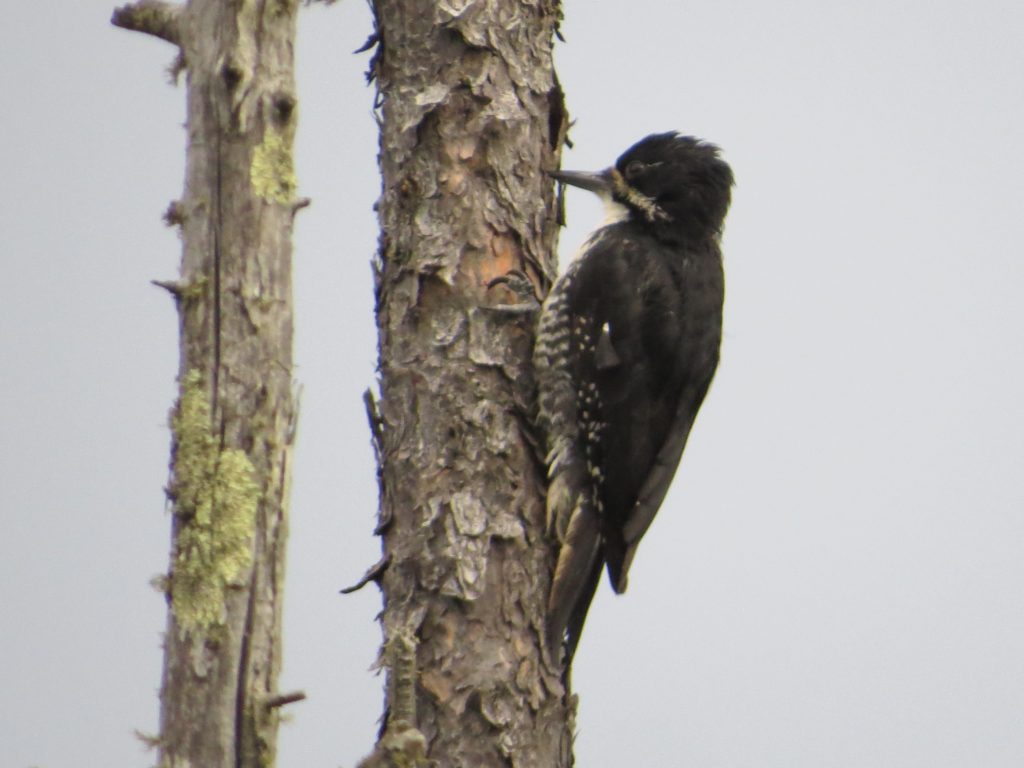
(234, 421)
(471, 117)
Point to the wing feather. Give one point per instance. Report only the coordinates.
(643, 351)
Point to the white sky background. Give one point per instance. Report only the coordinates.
(836, 577)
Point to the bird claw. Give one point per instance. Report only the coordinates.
(521, 287)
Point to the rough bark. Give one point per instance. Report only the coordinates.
(471, 117)
(233, 425)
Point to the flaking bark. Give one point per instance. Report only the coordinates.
(233, 426)
(471, 117)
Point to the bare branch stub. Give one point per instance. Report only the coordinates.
(152, 17)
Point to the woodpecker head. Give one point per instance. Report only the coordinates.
(676, 185)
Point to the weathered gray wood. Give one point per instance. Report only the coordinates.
(234, 422)
(471, 117)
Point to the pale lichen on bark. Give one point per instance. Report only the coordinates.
(272, 170)
(215, 500)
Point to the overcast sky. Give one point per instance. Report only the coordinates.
(836, 576)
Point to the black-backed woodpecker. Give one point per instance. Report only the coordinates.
(627, 343)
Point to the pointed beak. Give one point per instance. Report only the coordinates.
(600, 183)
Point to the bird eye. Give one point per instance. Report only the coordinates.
(633, 169)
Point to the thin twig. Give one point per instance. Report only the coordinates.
(284, 699)
(373, 573)
(173, 287)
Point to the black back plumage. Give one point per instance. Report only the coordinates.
(627, 345)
